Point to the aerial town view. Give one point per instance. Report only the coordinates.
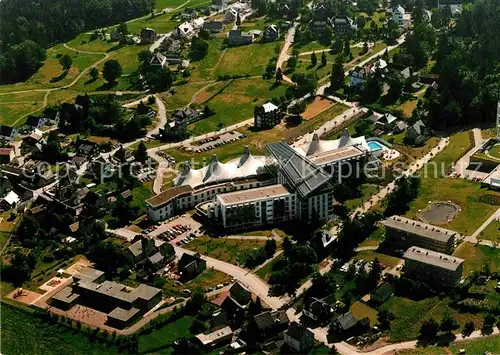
(250, 177)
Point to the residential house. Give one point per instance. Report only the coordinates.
(187, 115)
(230, 16)
(455, 9)
(270, 321)
(400, 126)
(284, 9)
(317, 309)
(148, 35)
(234, 301)
(159, 60)
(8, 133)
(266, 116)
(213, 26)
(380, 66)
(184, 30)
(87, 149)
(405, 73)
(219, 4)
(7, 155)
(170, 45)
(319, 22)
(387, 122)
(397, 14)
(9, 201)
(347, 325)
(358, 77)
(216, 337)
(36, 122)
(343, 25)
(430, 266)
(271, 33)
(299, 338)
(141, 248)
(115, 35)
(382, 293)
(238, 38)
(416, 132)
(190, 266)
(189, 14)
(34, 137)
(198, 23)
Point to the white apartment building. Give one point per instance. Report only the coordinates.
(398, 13)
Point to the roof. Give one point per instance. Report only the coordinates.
(298, 331)
(120, 291)
(158, 59)
(300, 172)
(419, 228)
(6, 151)
(156, 258)
(346, 321)
(418, 127)
(271, 28)
(66, 295)
(213, 24)
(399, 9)
(215, 336)
(343, 153)
(34, 120)
(316, 145)
(269, 106)
(253, 195)
(434, 258)
(6, 130)
(387, 118)
(88, 273)
(123, 314)
(405, 73)
(168, 195)
(267, 319)
(384, 291)
(245, 166)
(317, 306)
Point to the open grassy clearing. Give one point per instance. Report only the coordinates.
(265, 272)
(127, 57)
(24, 333)
(360, 310)
(459, 144)
(236, 103)
(304, 66)
(256, 140)
(413, 152)
(205, 68)
(141, 194)
(166, 335)
(477, 346)
(374, 239)
(311, 46)
(370, 255)
(209, 278)
(15, 106)
(469, 195)
(367, 190)
(251, 59)
(82, 42)
(170, 4)
(179, 97)
(476, 256)
(230, 250)
(492, 232)
(86, 84)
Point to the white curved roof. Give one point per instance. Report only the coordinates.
(245, 166)
(317, 146)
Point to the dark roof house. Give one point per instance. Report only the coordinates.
(191, 265)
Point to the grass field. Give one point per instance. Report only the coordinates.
(374, 239)
(311, 46)
(251, 59)
(476, 256)
(140, 194)
(477, 346)
(15, 106)
(469, 195)
(165, 336)
(360, 310)
(82, 42)
(413, 152)
(370, 255)
(492, 232)
(230, 250)
(24, 333)
(459, 144)
(367, 190)
(127, 57)
(265, 272)
(181, 96)
(304, 66)
(171, 4)
(205, 68)
(236, 103)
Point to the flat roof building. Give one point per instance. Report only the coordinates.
(431, 266)
(402, 233)
(215, 337)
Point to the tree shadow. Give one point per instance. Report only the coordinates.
(115, 48)
(90, 81)
(59, 77)
(274, 86)
(107, 86)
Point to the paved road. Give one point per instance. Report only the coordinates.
(283, 57)
(463, 162)
(473, 237)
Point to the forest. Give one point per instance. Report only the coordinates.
(27, 27)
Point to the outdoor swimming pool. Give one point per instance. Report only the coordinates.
(374, 145)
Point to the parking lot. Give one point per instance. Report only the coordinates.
(177, 230)
(214, 142)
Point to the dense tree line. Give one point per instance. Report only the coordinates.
(27, 27)
(468, 64)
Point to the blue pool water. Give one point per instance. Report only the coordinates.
(374, 145)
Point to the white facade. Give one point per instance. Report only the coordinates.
(398, 14)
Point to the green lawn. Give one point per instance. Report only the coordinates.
(476, 256)
(367, 190)
(141, 194)
(311, 46)
(459, 144)
(472, 199)
(230, 250)
(360, 310)
(24, 333)
(4, 237)
(251, 59)
(370, 255)
(205, 68)
(304, 66)
(164, 337)
(171, 4)
(15, 106)
(374, 239)
(127, 56)
(236, 103)
(495, 151)
(492, 232)
(265, 272)
(477, 346)
(82, 42)
(181, 96)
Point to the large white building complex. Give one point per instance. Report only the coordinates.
(289, 183)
